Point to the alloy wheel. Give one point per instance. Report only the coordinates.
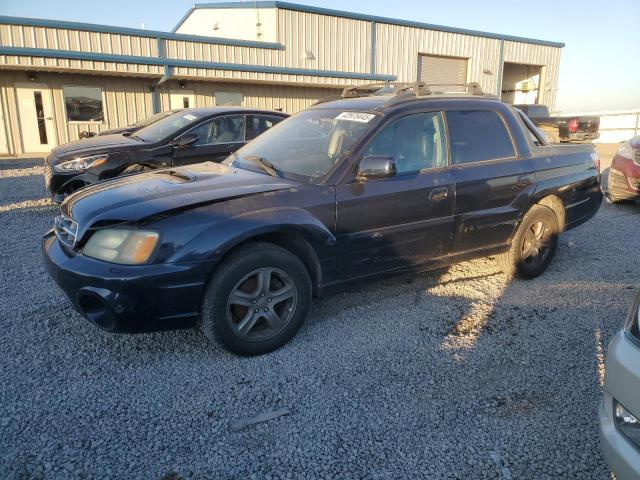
(261, 304)
(536, 244)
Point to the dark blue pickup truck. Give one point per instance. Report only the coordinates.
(350, 189)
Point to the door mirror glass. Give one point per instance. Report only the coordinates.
(185, 140)
(376, 167)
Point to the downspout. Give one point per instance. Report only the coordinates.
(372, 59)
(155, 89)
(500, 71)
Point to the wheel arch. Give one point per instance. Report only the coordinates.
(554, 203)
(295, 240)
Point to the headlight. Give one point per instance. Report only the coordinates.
(81, 164)
(124, 246)
(631, 326)
(626, 151)
(627, 423)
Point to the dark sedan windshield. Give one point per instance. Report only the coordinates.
(152, 119)
(167, 126)
(306, 146)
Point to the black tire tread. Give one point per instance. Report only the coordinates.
(509, 261)
(214, 329)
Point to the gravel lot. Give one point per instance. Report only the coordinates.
(458, 373)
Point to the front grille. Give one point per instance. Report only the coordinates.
(637, 156)
(66, 230)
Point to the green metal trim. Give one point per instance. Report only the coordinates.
(174, 62)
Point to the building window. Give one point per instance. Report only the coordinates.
(83, 104)
(228, 98)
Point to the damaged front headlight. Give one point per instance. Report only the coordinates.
(81, 164)
(123, 246)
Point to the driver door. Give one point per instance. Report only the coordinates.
(404, 220)
(217, 138)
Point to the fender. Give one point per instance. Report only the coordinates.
(217, 239)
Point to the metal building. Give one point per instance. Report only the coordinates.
(60, 78)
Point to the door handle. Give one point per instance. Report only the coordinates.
(523, 181)
(439, 194)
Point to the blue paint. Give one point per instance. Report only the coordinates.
(370, 18)
(90, 27)
(174, 62)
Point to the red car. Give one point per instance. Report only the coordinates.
(624, 175)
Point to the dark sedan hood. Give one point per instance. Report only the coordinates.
(137, 197)
(96, 145)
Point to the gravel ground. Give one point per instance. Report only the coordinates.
(458, 373)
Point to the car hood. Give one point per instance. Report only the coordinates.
(120, 130)
(95, 145)
(137, 197)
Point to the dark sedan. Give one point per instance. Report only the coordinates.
(184, 137)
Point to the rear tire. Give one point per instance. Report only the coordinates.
(257, 299)
(533, 246)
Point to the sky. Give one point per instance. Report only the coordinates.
(599, 68)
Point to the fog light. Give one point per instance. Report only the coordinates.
(627, 423)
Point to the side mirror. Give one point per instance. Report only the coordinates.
(87, 134)
(185, 141)
(377, 167)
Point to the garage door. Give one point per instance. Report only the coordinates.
(433, 70)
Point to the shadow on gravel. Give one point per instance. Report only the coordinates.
(16, 189)
(16, 164)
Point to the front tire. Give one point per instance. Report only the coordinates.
(257, 299)
(533, 246)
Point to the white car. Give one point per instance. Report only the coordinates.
(620, 408)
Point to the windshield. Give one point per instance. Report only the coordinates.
(152, 119)
(167, 126)
(306, 146)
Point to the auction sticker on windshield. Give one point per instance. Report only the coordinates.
(355, 116)
(188, 116)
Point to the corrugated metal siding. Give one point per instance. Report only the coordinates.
(289, 99)
(63, 39)
(126, 100)
(337, 43)
(540, 55)
(397, 49)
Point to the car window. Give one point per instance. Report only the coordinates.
(537, 111)
(257, 124)
(167, 126)
(477, 135)
(415, 142)
(228, 129)
(536, 136)
(308, 145)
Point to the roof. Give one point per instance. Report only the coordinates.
(360, 16)
(383, 102)
(226, 109)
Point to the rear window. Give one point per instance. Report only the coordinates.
(537, 111)
(478, 135)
